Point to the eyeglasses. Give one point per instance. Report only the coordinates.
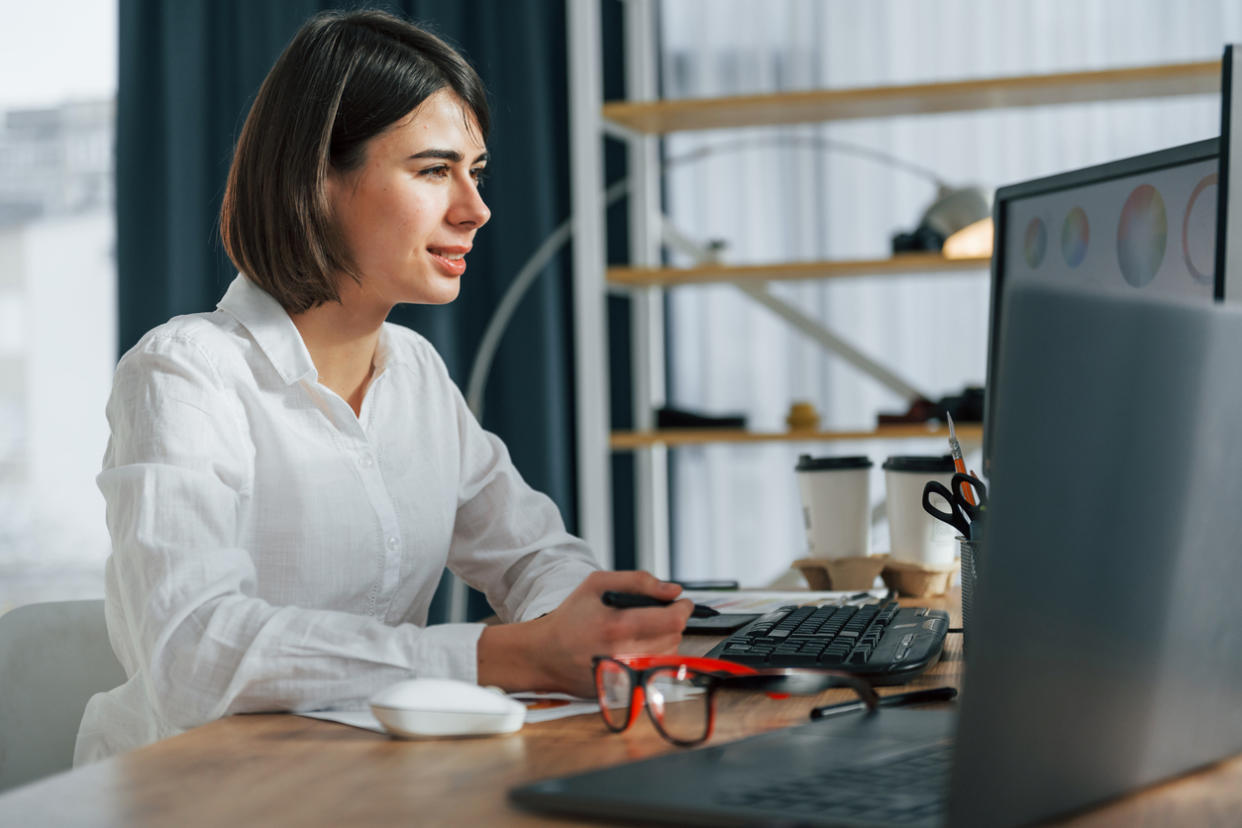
(679, 692)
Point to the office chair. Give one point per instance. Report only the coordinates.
(53, 658)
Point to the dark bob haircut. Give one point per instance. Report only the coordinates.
(343, 79)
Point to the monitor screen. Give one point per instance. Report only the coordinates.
(1145, 224)
(1153, 232)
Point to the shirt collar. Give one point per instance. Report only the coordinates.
(271, 328)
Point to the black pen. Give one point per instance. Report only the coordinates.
(629, 600)
(935, 694)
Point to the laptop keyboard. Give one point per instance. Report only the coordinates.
(907, 789)
(885, 643)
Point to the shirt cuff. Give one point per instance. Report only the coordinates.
(545, 603)
(448, 651)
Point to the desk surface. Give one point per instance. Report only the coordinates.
(288, 770)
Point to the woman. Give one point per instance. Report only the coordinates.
(288, 476)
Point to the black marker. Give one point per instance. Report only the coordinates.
(629, 600)
(935, 694)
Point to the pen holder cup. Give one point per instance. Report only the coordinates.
(971, 552)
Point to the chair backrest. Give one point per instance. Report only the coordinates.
(53, 658)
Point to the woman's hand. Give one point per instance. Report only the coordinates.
(554, 652)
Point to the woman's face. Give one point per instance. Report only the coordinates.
(410, 211)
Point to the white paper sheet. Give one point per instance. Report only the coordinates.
(762, 600)
(354, 718)
(544, 707)
(540, 707)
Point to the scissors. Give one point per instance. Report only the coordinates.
(962, 513)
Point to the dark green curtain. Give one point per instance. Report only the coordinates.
(188, 72)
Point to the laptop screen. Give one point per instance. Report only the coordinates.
(1106, 651)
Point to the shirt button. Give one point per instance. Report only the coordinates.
(392, 544)
(367, 461)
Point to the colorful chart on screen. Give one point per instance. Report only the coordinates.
(1199, 231)
(1036, 243)
(1153, 232)
(1142, 235)
(1075, 236)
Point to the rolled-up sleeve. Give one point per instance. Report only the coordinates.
(509, 540)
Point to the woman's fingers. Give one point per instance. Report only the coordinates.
(637, 582)
(583, 626)
(648, 622)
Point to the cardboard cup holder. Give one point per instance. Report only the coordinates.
(853, 573)
(919, 580)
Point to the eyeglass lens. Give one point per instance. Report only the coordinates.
(679, 704)
(615, 689)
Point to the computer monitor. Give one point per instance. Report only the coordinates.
(1145, 224)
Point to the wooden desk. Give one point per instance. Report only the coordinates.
(275, 770)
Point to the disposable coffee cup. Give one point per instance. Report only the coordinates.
(836, 505)
(915, 536)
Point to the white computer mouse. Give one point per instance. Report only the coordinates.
(424, 708)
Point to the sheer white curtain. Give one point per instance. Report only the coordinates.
(58, 74)
(735, 507)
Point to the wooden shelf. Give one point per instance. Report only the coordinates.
(630, 440)
(656, 117)
(912, 263)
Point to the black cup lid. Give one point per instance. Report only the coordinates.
(919, 463)
(808, 463)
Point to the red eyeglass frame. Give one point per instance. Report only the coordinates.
(718, 673)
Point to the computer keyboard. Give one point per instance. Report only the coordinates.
(885, 643)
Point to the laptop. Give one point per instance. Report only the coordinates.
(1105, 639)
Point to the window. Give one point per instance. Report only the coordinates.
(57, 295)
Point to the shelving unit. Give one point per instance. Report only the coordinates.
(638, 121)
(907, 263)
(633, 440)
(661, 117)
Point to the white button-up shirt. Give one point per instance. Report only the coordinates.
(273, 551)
